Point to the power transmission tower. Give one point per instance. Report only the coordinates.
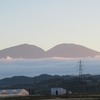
(81, 78)
(80, 69)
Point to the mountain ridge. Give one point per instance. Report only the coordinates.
(61, 50)
(43, 83)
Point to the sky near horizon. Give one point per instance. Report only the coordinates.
(46, 23)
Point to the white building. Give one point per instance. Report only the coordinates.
(13, 92)
(58, 91)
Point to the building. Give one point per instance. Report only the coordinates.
(58, 91)
(13, 92)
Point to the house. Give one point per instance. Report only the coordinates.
(58, 91)
(13, 92)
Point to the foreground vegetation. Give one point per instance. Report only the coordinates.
(49, 98)
(89, 84)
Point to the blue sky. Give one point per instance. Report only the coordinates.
(46, 23)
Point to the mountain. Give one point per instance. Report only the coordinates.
(34, 52)
(22, 51)
(71, 51)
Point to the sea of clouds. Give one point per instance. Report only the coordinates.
(52, 66)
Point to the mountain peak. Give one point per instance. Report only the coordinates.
(23, 51)
(71, 51)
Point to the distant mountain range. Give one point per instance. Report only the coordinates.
(61, 50)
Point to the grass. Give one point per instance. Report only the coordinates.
(45, 98)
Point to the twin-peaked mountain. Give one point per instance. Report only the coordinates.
(61, 50)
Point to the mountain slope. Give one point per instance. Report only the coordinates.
(71, 51)
(61, 50)
(23, 51)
